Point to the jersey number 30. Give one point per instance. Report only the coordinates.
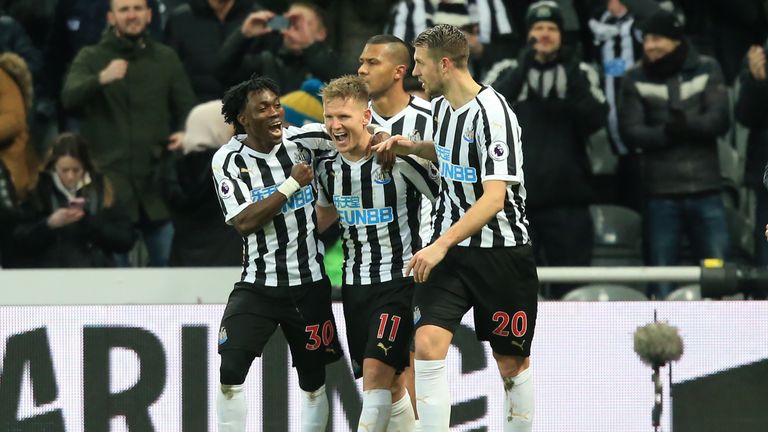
(316, 338)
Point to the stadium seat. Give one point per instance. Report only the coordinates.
(685, 293)
(604, 292)
(618, 236)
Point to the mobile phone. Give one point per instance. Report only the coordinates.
(77, 203)
(278, 22)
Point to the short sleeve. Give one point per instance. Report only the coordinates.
(312, 136)
(233, 194)
(498, 141)
(422, 174)
(323, 196)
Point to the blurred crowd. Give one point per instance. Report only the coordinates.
(639, 112)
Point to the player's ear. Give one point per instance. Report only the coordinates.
(400, 72)
(367, 117)
(241, 118)
(444, 63)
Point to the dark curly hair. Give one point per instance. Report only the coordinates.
(236, 97)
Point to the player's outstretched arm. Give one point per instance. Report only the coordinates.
(484, 209)
(403, 146)
(258, 214)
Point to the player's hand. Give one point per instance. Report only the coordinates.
(397, 144)
(176, 141)
(115, 70)
(302, 173)
(756, 59)
(65, 216)
(255, 23)
(385, 159)
(424, 261)
(766, 232)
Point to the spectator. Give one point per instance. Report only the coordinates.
(131, 91)
(618, 45)
(673, 106)
(76, 24)
(73, 221)
(408, 18)
(13, 38)
(197, 30)
(558, 102)
(750, 111)
(16, 96)
(288, 56)
(350, 26)
(9, 212)
(202, 238)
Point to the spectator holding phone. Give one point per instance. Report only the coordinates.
(70, 217)
(288, 48)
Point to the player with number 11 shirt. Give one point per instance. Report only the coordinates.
(378, 209)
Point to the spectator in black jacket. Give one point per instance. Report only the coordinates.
(287, 55)
(672, 108)
(70, 218)
(559, 104)
(197, 30)
(751, 112)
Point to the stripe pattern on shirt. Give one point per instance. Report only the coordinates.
(408, 18)
(378, 213)
(285, 251)
(477, 142)
(414, 122)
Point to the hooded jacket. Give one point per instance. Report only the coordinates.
(15, 102)
(127, 122)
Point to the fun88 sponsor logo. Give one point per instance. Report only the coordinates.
(299, 199)
(454, 172)
(351, 211)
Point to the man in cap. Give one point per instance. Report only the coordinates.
(559, 101)
(672, 108)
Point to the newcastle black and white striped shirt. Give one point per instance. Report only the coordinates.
(477, 142)
(414, 122)
(378, 212)
(408, 18)
(284, 252)
(620, 46)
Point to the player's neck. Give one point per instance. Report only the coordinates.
(359, 150)
(460, 89)
(259, 145)
(391, 102)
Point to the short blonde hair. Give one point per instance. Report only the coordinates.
(346, 87)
